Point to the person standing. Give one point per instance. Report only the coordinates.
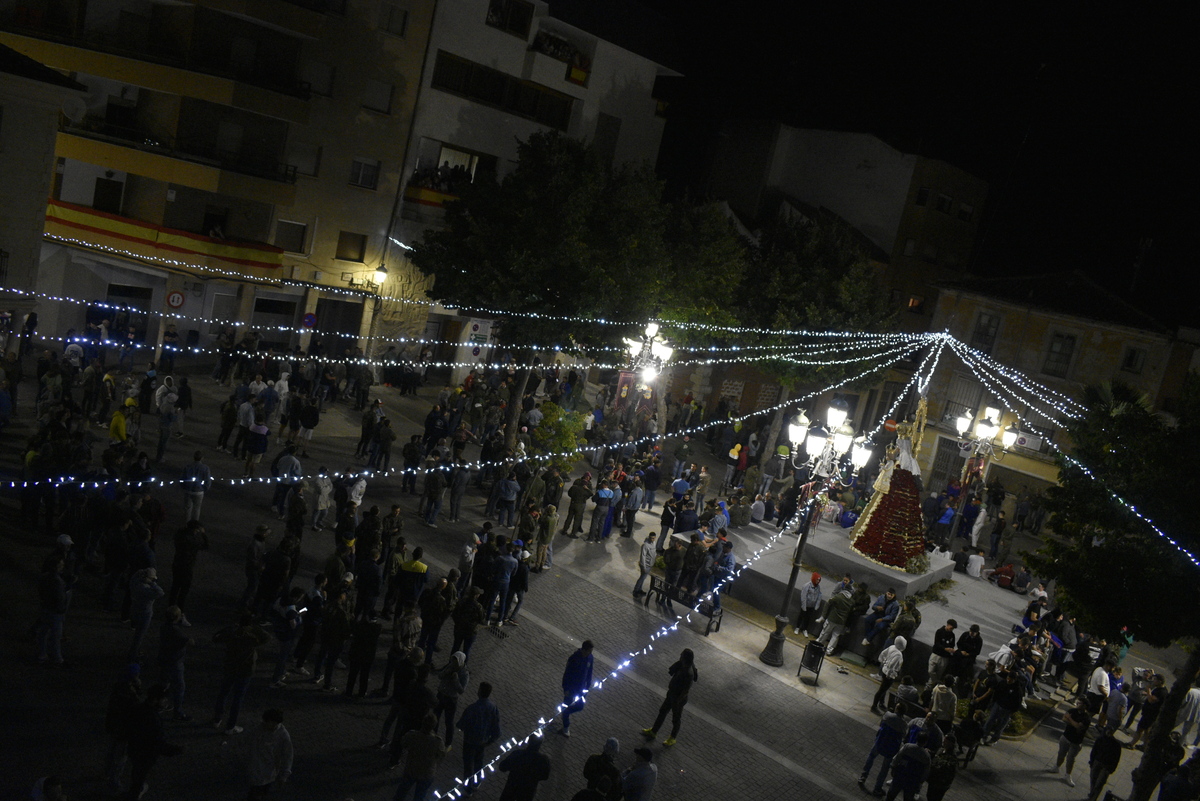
(603, 500)
(452, 681)
(241, 656)
(480, 725)
(468, 616)
(1075, 727)
(270, 755)
(547, 525)
(891, 662)
(646, 558)
(189, 541)
(683, 676)
(942, 769)
(52, 597)
(576, 681)
(526, 769)
(146, 740)
(172, 648)
(910, 768)
(602, 769)
(1106, 756)
(364, 642)
(943, 651)
(143, 591)
(810, 605)
(637, 782)
(424, 751)
(578, 494)
(197, 478)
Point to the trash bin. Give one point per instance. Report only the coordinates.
(813, 657)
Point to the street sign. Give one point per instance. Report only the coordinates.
(310, 320)
(175, 299)
(889, 425)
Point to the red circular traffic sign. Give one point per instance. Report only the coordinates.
(175, 299)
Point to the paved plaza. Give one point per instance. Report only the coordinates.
(749, 731)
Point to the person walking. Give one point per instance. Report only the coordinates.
(888, 739)
(241, 657)
(526, 769)
(197, 478)
(189, 541)
(646, 559)
(576, 681)
(424, 751)
(480, 725)
(637, 782)
(891, 662)
(270, 755)
(683, 676)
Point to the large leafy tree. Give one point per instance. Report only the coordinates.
(813, 273)
(1112, 569)
(565, 236)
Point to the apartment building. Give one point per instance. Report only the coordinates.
(228, 160)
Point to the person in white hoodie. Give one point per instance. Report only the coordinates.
(891, 662)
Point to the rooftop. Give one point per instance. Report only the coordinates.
(1069, 292)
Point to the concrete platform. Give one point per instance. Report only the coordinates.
(828, 551)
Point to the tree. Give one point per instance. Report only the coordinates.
(564, 236)
(812, 274)
(1104, 558)
(559, 433)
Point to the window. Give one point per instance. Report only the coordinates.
(351, 246)
(1134, 360)
(364, 173)
(318, 76)
(944, 203)
(511, 16)
(1058, 355)
(494, 88)
(916, 304)
(291, 236)
(393, 19)
(987, 325)
(923, 196)
(307, 158)
(377, 96)
(966, 212)
(910, 247)
(3, 268)
(929, 252)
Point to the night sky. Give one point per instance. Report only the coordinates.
(1078, 122)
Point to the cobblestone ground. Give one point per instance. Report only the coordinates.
(744, 735)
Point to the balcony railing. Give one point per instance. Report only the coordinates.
(31, 22)
(191, 150)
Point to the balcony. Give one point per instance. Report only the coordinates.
(157, 243)
(305, 17)
(184, 150)
(30, 23)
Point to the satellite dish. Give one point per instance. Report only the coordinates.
(74, 109)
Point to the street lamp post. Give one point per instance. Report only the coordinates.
(983, 443)
(825, 455)
(648, 356)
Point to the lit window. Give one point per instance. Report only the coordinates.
(916, 304)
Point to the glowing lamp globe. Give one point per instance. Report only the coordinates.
(837, 413)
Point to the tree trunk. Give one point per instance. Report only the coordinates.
(512, 422)
(768, 449)
(1148, 773)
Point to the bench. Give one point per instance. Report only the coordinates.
(670, 592)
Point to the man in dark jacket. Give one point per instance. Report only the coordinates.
(189, 541)
(576, 682)
(943, 652)
(888, 739)
(364, 642)
(910, 768)
(241, 656)
(579, 493)
(1106, 756)
(526, 768)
